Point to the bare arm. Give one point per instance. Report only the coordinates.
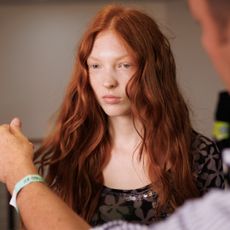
(39, 207)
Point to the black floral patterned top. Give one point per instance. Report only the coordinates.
(138, 205)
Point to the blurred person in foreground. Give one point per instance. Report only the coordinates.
(41, 208)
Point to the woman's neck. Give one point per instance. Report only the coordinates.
(123, 132)
(131, 171)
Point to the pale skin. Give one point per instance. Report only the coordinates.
(14, 147)
(111, 65)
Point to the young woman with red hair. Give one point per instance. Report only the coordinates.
(123, 146)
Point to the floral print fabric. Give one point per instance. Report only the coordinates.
(138, 205)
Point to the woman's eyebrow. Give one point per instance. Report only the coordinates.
(117, 58)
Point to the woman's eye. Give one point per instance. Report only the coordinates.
(94, 66)
(124, 65)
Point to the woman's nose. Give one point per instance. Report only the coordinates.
(110, 84)
(110, 81)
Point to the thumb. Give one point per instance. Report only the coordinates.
(15, 126)
(16, 123)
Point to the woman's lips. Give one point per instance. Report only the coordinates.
(109, 99)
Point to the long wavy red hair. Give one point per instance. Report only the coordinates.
(74, 155)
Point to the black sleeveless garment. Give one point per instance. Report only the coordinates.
(138, 205)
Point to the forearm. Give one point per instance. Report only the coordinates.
(40, 208)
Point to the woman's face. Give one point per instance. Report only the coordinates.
(111, 65)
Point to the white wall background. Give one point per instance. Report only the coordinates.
(37, 47)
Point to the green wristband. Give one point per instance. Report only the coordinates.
(21, 184)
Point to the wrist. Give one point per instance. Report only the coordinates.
(18, 175)
(25, 181)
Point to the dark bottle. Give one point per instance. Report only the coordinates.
(221, 131)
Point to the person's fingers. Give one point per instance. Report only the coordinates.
(15, 127)
(16, 122)
(4, 129)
